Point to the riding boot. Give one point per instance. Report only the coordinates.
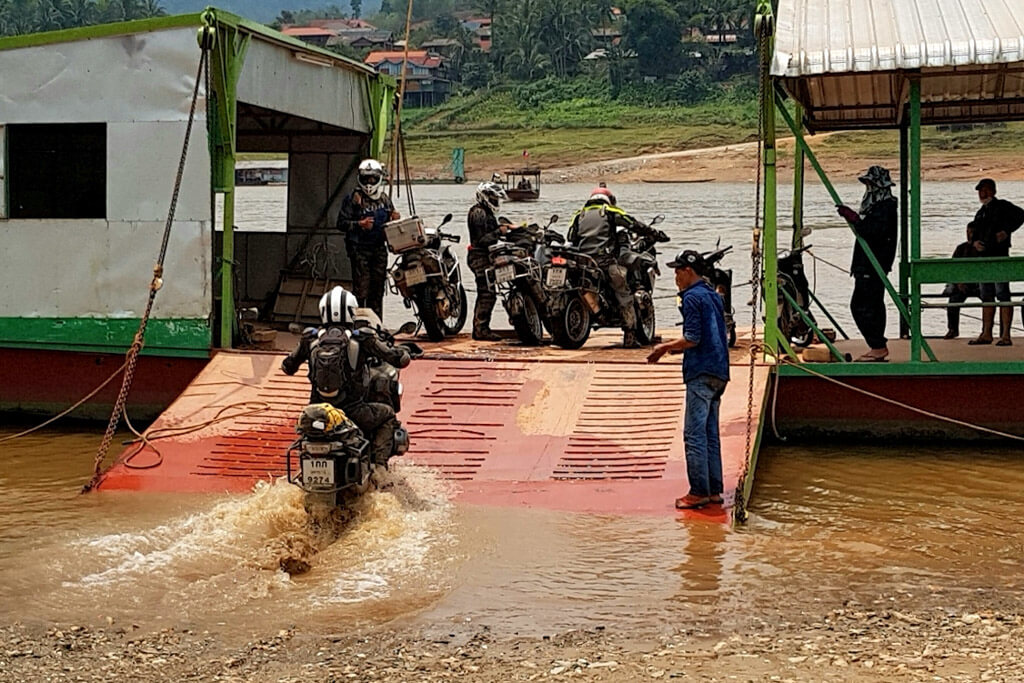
(1005, 324)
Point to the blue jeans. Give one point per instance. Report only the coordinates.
(700, 435)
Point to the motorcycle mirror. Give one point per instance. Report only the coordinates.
(657, 219)
(553, 219)
(718, 243)
(407, 328)
(446, 220)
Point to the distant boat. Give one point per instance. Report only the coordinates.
(695, 180)
(523, 184)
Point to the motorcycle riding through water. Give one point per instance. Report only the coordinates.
(427, 275)
(580, 297)
(516, 276)
(721, 281)
(332, 460)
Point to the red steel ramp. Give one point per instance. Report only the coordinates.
(587, 436)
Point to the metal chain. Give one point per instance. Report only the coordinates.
(740, 505)
(155, 284)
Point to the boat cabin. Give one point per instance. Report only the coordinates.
(523, 184)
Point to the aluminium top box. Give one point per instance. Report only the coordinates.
(405, 234)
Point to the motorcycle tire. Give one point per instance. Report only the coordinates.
(571, 328)
(646, 319)
(458, 310)
(732, 335)
(528, 324)
(426, 306)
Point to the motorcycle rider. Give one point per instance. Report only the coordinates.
(362, 217)
(595, 232)
(339, 372)
(484, 230)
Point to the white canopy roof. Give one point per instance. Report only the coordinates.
(848, 61)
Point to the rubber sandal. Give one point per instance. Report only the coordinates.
(1004, 342)
(716, 499)
(689, 502)
(979, 342)
(868, 358)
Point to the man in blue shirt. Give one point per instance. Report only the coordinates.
(705, 347)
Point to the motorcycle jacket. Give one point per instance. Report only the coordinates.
(595, 229)
(483, 227)
(338, 358)
(358, 206)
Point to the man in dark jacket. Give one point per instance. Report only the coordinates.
(484, 230)
(362, 217)
(594, 230)
(339, 369)
(958, 292)
(993, 225)
(877, 224)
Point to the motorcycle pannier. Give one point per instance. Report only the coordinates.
(405, 234)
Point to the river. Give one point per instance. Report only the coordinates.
(830, 523)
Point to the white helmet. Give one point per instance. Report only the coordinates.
(338, 306)
(371, 178)
(490, 195)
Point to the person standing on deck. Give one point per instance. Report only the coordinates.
(705, 347)
(362, 217)
(993, 224)
(484, 230)
(876, 223)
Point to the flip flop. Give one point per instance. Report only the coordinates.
(868, 358)
(1004, 342)
(979, 342)
(689, 502)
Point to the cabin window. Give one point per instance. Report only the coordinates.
(57, 170)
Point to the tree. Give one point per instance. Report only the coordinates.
(654, 31)
(357, 8)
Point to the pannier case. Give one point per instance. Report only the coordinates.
(405, 234)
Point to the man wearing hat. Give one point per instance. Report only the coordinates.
(877, 225)
(705, 347)
(993, 224)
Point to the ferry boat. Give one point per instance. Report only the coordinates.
(92, 127)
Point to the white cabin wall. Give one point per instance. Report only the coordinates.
(141, 86)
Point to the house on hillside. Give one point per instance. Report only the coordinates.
(310, 34)
(442, 46)
(609, 32)
(339, 25)
(365, 39)
(480, 27)
(426, 78)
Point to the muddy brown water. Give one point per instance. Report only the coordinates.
(829, 523)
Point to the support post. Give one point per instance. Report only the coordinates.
(916, 340)
(226, 61)
(770, 222)
(798, 185)
(904, 229)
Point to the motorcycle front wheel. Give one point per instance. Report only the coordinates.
(571, 328)
(646, 323)
(527, 323)
(457, 311)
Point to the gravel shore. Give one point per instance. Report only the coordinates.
(852, 643)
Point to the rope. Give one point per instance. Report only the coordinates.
(69, 410)
(132, 356)
(783, 360)
(145, 439)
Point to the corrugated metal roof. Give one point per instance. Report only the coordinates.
(842, 36)
(848, 62)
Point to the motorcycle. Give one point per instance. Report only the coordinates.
(335, 464)
(515, 275)
(427, 275)
(793, 281)
(580, 298)
(721, 281)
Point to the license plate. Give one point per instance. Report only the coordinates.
(504, 273)
(318, 448)
(318, 472)
(555, 277)
(415, 276)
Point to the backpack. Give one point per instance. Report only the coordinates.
(332, 361)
